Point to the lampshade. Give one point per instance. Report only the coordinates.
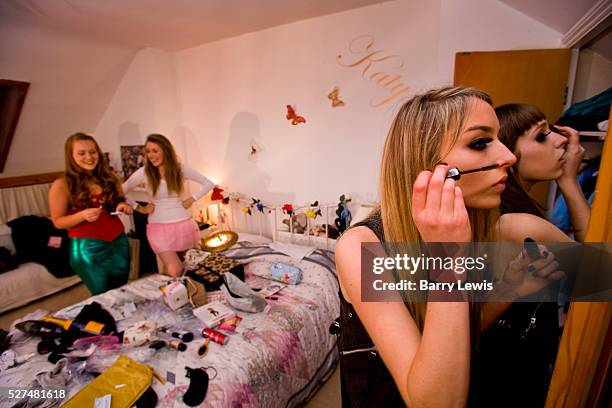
(213, 213)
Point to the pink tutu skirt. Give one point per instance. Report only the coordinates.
(176, 236)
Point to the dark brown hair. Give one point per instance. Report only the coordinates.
(78, 179)
(172, 167)
(514, 120)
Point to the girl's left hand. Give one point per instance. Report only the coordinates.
(188, 202)
(125, 208)
(526, 276)
(574, 153)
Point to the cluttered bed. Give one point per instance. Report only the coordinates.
(248, 327)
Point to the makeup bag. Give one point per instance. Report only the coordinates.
(125, 381)
(211, 269)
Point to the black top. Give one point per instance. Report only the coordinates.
(511, 367)
(364, 379)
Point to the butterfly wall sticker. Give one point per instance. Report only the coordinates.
(335, 99)
(257, 203)
(291, 115)
(254, 149)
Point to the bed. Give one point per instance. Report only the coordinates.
(30, 282)
(276, 358)
(26, 195)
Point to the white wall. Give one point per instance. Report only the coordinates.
(484, 25)
(593, 75)
(145, 102)
(213, 100)
(235, 91)
(71, 84)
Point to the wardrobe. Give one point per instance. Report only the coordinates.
(553, 80)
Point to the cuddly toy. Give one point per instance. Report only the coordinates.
(344, 215)
(298, 223)
(319, 231)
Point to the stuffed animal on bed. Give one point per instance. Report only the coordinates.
(298, 221)
(319, 231)
(344, 215)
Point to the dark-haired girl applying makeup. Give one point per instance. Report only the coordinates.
(543, 153)
(528, 333)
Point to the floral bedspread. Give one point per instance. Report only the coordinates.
(276, 358)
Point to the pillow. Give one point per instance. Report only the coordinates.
(362, 213)
(8, 262)
(254, 239)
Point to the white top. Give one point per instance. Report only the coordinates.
(168, 206)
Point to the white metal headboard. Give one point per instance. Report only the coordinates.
(268, 223)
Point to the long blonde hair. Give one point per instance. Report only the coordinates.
(413, 144)
(172, 167)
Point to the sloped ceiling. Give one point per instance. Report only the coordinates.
(165, 24)
(179, 24)
(560, 15)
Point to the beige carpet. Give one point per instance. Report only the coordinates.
(329, 394)
(51, 303)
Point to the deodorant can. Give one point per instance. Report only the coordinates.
(215, 336)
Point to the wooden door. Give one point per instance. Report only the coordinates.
(537, 77)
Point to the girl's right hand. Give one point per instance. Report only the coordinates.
(438, 208)
(91, 214)
(574, 153)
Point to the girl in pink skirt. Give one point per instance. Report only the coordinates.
(170, 230)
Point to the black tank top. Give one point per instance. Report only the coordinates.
(364, 378)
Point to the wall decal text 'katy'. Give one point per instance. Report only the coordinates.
(376, 68)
